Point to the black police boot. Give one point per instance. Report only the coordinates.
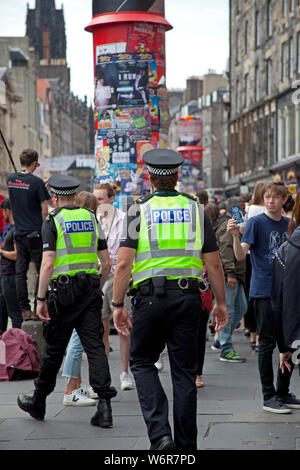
(163, 443)
(103, 415)
(34, 405)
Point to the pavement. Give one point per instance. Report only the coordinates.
(229, 411)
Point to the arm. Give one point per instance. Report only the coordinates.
(105, 268)
(240, 249)
(44, 208)
(216, 278)
(227, 256)
(121, 281)
(46, 272)
(12, 255)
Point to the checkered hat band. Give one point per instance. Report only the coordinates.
(63, 192)
(162, 171)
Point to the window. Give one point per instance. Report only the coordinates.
(238, 96)
(269, 77)
(285, 7)
(246, 102)
(291, 58)
(292, 5)
(256, 83)
(298, 53)
(238, 46)
(257, 35)
(246, 37)
(284, 61)
(269, 19)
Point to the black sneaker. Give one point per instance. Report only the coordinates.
(275, 405)
(291, 401)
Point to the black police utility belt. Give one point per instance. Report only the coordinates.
(66, 288)
(159, 285)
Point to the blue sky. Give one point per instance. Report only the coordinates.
(198, 41)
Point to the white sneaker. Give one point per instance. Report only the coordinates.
(76, 398)
(126, 383)
(159, 364)
(88, 391)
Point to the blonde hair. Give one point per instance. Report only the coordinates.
(86, 200)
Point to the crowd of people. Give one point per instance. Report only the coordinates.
(256, 237)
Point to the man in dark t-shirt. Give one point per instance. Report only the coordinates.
(29, 203)
(10, 307)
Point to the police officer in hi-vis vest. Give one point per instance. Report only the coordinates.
(163, 240)
(69, 297)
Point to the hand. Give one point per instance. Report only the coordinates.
(219, 317)
(42, 311)
(231, 282)
(122, 321)
(284, 357)
(232, 227)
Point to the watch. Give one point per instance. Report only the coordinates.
(121, 304)
(41, 299)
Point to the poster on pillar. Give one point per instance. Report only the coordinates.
(111, 6)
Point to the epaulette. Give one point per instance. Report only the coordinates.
(53, 213)
(190, 196)
(144, 198)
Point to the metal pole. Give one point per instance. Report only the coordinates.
(8, 151)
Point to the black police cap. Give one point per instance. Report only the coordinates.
(162, 162)
(63, 185)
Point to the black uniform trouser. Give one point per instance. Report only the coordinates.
(157, 321)
(85, 316)
(28, 249)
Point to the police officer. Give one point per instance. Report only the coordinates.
(163, 240)
(71, 247)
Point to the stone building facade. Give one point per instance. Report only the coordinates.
(8, 101)
(264, 66)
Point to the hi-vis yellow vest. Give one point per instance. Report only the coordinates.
(76, 244)
(170, 239)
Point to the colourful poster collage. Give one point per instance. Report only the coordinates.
(131, 107)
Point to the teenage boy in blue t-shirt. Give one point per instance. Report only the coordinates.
(263, 236)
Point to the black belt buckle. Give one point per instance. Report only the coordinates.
(183, 283)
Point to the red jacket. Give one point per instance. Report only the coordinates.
(18, 350)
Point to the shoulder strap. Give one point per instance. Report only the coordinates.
(143, 199)
(190, 196)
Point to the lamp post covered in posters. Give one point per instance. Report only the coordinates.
(131, 104)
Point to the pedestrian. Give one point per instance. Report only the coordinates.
(163, 240)
(70, 268)
(29, 204)
(111, 219)
(8, 254)
(285, 294)
(264, 235)
(77, 393)
(235, 277)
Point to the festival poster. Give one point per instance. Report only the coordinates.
(131, 180)
(122, 80)
(142, 147)
(154, 109)
(141, 37)
(122, 147)
(160, 55)
(105, 120)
